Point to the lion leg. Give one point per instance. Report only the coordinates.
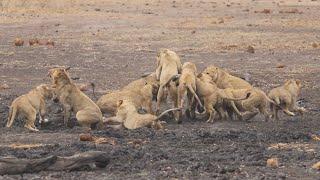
(263, 110)
(114, 119)
(222, 113)
(288, 112)
(180, 101)
(276, 114)
(210, 110)
(234, 107)
(31, 114)
(174, 98)
(67, 114)
(116, 127)
(87, 117)
(149, 106)
(191, 106)
(274, 111)
(159, 99)
(42, 112)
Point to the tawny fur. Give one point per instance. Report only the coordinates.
(28, 105)
(73, 100)
(187, 87)
(168, 65)
(214, 97)
(285, 98)
(127, 116)
(140, 95)
(258, 100)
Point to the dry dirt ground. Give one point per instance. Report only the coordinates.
(112, 43)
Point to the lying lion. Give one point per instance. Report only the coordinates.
(29, 105)
(258, 100)
(73, 100)
(168, 65)
(214, 98)
(141, 98)
(187, 87)
(285, 98)
(128, 117)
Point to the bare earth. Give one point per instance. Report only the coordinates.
(112, 43)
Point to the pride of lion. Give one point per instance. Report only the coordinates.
(213, 93)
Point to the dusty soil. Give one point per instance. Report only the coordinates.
(112, 43)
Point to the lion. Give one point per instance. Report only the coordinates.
(257, 101)
(285, 98)
(168, 65)
(214, 97)
(140, 95)
(128, 117)
(225, 80)
(29, 105)
(74, 100)
(187, 86)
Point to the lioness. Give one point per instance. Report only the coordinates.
(214, 97)
(285, 97)
(141, 97)
(29, 105)
(257, 100)
(72, 99)
(187, 86)
(168, 65)
(129, 118)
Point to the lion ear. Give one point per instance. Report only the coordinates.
(199, 75)
(119, 103)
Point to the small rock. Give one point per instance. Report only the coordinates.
(280, 66)
(34, 41)
(18, 42)
(4, 86)
(97, 9)
(265, 11)
(273, 162)
(250, 49)
(316, 166)
(220, 21)
(86, 137)
(291, 11)
(50, 42)
(192, 32)
(314, 45)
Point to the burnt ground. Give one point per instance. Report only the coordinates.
(112, 43)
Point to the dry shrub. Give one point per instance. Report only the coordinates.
(18, 42)
(273, 162)
(264, 11)
(291, 11)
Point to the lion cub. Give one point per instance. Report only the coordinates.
(128, 117)
(214, 97)
(72, 99)
(168, 65)
(187, 86)
(285, 98)
(257, 101)
(29, 105)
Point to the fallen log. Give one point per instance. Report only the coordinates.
(87, 160)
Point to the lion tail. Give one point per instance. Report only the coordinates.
(12, 115)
